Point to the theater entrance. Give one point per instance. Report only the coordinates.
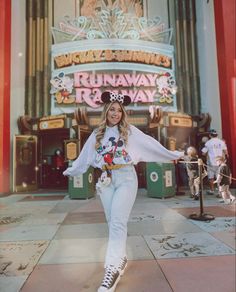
(52, 159)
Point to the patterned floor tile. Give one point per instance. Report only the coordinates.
(218, 224)
(154, 215)
(19, 258)
(186, 245)
(12, 220)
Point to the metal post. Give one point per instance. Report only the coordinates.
(202, 216)
(200, 163)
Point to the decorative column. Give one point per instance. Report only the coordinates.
(37, 98)
(186, 57)
(30, 66)
(5, 65)
(195, 79)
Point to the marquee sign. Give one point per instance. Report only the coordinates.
(95, 56)
(113, 60)
(87, 87)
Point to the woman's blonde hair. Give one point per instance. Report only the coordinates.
(123, 125)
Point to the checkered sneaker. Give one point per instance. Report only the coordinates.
(110, 280)
(122, 265)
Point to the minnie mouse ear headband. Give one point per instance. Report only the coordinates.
(108, 97)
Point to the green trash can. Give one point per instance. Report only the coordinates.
(160, 179)
(82, 186)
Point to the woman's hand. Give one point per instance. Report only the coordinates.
(66, 172)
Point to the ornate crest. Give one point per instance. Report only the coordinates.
(112, 23)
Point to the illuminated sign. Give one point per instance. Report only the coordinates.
(83, 57)
(88, 87)
(110, 50)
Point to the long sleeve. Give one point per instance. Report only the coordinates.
(142, 147)
(85, 158)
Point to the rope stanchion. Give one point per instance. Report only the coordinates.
(202, 216)
(208, 167)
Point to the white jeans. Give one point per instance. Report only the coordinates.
(118, 199)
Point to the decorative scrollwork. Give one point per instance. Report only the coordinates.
(111, 23)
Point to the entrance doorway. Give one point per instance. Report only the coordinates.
(52, 159)
(25, 165)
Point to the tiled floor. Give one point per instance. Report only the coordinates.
(51, 243)
(84, 218)
(208, 274)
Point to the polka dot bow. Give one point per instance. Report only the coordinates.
(107, 97)
(116, 97)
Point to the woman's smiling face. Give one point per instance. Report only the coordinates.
(114, 114)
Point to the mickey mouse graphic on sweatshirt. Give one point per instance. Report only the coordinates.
(140, 147)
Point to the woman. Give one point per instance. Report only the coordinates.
(115, 147)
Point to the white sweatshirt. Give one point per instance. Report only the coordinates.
(140, 147)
